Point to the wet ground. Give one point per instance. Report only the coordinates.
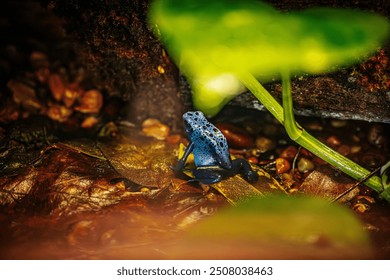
(119, 198)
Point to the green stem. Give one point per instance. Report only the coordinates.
(285, 115)
(263, 96)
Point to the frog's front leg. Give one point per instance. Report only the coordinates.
(209, 174)
(180, 164)
(241, 166)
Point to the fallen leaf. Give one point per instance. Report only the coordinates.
(323, 182)
(142, 160)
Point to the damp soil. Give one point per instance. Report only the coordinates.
(118, 198)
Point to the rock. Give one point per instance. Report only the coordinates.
(91, 102)
(376, 135)
(264, 144)
(56, 86)
(236, 137)
(154, 128)
(282, 165)
(305, 165)
(289, 153)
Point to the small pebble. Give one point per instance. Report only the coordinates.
(59, 113)
(145, 190)
(160, 69)
(110, 129)
(305, 165)
(264, 144)
(338, 123)
(70, 97)
(56, 86)
(344, 150)
(89, 122)
(355, 149)
(154, 128)
(253, 160)
(254, 152)
(39, 60)
(333, 141)
(282, 165)
(24, 94)
(355, 138)
(289, 153)
(376, 135)
(173, 139)
(361, 207)
(236, 137)
(314, 126)
(91, 102)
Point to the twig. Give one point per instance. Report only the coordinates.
(356, 184)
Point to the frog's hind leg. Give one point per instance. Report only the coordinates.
(243, 167)
(207, 175)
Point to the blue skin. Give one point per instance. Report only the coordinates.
(211, 152)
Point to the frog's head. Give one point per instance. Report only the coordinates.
(194, 121)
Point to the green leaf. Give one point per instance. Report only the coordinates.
(289, 227)
(385, 178)
(213, 42)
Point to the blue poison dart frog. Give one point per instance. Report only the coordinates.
(211, 152)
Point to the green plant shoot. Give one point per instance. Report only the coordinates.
(223, 47)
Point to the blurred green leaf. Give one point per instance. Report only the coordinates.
(302, 226)
(214, 41)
